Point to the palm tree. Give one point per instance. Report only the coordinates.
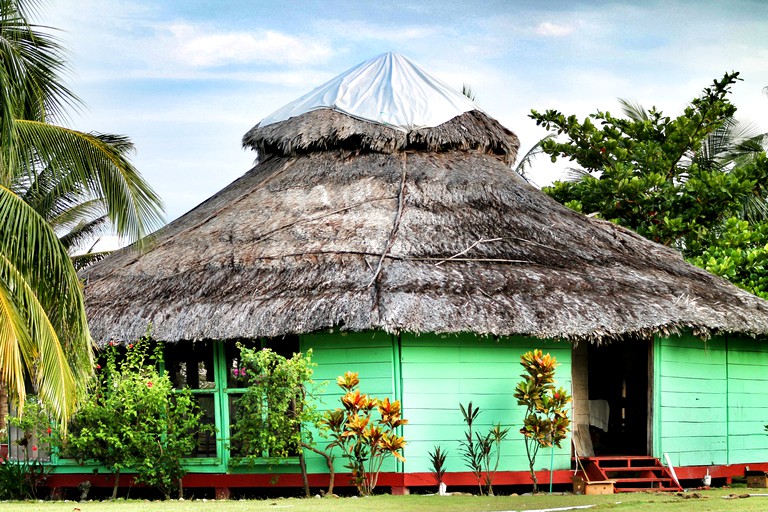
(44, 338)
(78, 217)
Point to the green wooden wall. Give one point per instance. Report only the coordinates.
(441, 371)
(709, 398)
(747, 400)
(371, 355)
(431, 374)
(710, 404)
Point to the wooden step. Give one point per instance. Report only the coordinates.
(631, 473)
(634, 468)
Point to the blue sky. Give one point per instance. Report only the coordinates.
(185, 79)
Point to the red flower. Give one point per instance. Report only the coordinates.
(49, 431)
(130, 345)
(149, 384)
(34, 448)
(98, 367)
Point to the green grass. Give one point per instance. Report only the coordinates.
(710, 501)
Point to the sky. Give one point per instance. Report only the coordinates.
(185, 79)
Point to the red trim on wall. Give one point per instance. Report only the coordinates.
(392, 480)
(217, 480)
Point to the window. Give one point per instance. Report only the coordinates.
(192, 364)
(236, 384)
(213, 372)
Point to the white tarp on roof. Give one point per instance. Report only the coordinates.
(389, 89)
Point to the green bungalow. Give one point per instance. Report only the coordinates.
(384, 228)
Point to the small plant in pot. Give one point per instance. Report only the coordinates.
(437, 458)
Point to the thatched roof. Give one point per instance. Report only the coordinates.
(353, 225)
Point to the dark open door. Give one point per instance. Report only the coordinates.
(619, 397)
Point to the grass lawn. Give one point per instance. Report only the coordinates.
(709, 501)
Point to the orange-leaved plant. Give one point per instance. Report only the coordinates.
(364, 440)
(546, 420)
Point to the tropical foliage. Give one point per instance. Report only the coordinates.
(546, 422)
(437, 459)
(272, 415)
(24, 473)
(364, 441)
(277, 402)
(687, 182)
(481, 453)
(51, 173)
(133, 419)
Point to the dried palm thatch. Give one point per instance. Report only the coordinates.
(345, 224)
(325, 129)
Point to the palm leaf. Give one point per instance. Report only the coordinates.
(633, 110)
(42, 303)
(526, 162)
(78, 159)
(81, 261)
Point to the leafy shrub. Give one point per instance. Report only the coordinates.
(276, 404)
(133, 419)
(480, 452)
(36, 437)
(364, 442)
(546, 417)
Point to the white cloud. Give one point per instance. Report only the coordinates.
(364, 31)
(548, 29)
(196, 46)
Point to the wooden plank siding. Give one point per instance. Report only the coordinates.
(441, 371)
(371, 355)
(691, 401)
(747, 402)
(431, 374)
(710, 398)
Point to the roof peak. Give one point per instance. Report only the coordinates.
(389, 89)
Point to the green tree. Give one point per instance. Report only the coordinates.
(44, 335)
(680, 181)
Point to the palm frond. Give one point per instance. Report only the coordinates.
(81, 261)
(16, 347)
(467, 91)
(526, 162)
(49, 301)
(577, 174)
(85, 160)
(33, 64)
(83, 233)
(633, 110)
(754, 209)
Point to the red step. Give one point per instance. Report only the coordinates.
(630, 473)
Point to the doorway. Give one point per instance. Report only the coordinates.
(619, 397)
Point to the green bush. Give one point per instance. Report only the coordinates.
(21, 476)
(276, 404)
(132, 419)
